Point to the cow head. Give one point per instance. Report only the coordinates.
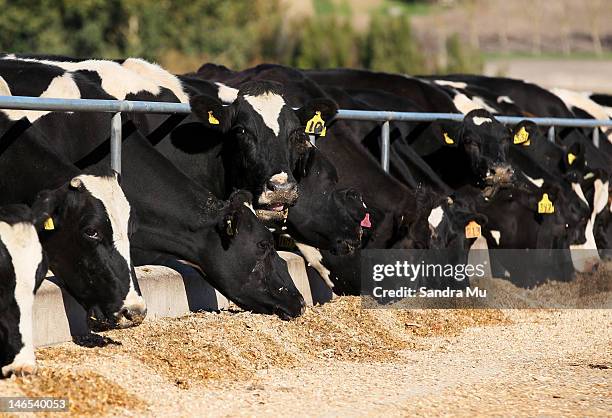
(257, 128)
(84, 230)
(482, 142)
(325, 217)
(257, 279)
(22, 269)
(485, 142)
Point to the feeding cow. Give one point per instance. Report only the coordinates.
(179, 219)
(83, 223)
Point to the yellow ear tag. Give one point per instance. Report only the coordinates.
(211, 119)
(316, 125)
(571, 158)
(448, 139)
(48, 225)
(545, 205)
(522, 137)
(472, 230)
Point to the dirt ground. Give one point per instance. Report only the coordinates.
(339, 360)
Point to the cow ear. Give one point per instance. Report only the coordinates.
(228, 225)
(524, 133)
(574, 157)
(448, 133)
(45, 210)
(211, 112)
(316, 115)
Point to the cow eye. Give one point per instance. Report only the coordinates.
(240, 130)
(264, 245)
(91, 233)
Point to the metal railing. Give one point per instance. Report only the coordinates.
(119, 106)
(385, 117)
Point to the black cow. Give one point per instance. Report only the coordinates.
(23, 267)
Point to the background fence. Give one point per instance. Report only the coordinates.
(119, 106)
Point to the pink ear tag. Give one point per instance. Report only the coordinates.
(366, 221)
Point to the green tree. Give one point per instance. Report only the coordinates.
(461, 58)
(390, 46)
(326, 41)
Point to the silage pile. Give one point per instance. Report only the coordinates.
(211, 350)
(221, 349)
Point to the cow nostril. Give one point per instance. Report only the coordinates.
(280, 187)
(126, 313)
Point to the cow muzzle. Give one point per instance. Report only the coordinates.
(499, 174)
(127, 317)
(278, 195)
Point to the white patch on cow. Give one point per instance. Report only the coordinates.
(158, 75)
(314, 259)
(578, 190)
(61, 87)
(280, 178)
(496, 236)
(226, 94)
(269, 106)
(435, 217)
(453, 84)
(584, 102)
(116, 80)
(21, 242)
(248, 205)
(581, 261)
(108, 191)
(5, 90)
(479, 121)
(537, 182)
(479, 101)
(505, 99)
(465, 105)
(600, 200)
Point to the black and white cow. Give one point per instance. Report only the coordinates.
(23, 267)
(179, 219)
(82, 219)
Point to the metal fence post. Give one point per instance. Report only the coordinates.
(116, 142)
(551, 134)
(596, 137)
(384, 155)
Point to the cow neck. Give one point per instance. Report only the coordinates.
(173, 213)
